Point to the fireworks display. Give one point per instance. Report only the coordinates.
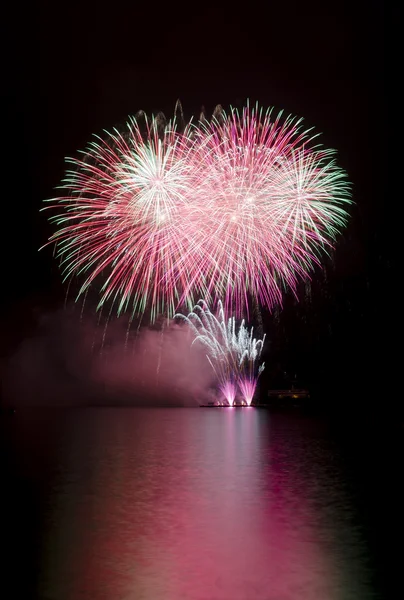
(232, 352)
(238, 206)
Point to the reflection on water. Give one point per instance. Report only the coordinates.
(150, 504)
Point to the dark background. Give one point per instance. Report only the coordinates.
(71, 70)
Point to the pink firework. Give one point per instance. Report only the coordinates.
(238, 206)
(123, 220)
(272, 201)
(247, 388)
(250, 349)
(232, 351)
(228, 389)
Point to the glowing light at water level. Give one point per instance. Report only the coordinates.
(229, 392)
(247, 388)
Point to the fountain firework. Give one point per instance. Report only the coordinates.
(250, 352)
(232, 353)
(159, 214)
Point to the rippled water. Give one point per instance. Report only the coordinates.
(198, 504)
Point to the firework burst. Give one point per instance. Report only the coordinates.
(122, 219)
(273, 200)
(236, 206)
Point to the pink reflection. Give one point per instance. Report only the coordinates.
(253, 543)
(186, 505)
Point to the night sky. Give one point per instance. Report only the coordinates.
(73, 69)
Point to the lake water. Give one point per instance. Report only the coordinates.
(193, 504)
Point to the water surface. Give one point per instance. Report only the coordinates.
(198, 504)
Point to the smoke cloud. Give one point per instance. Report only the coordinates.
(73, 359)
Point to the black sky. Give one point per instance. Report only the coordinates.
(71, 70)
